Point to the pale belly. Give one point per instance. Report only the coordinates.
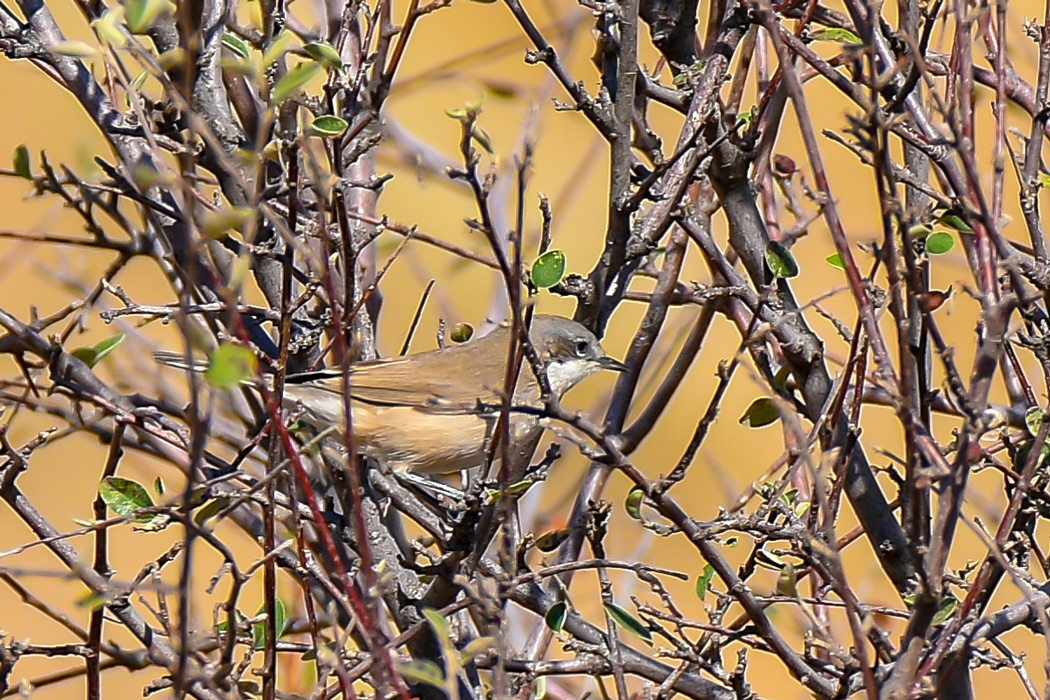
(407, 439)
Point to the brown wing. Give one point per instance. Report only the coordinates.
(453, 379)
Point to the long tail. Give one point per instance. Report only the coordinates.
(178, 361)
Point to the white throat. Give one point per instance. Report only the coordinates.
(564, 375)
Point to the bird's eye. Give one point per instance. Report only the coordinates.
(581, 348)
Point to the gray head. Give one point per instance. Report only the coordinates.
(570, 352)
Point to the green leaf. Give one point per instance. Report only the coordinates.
(919, 231)
(277, 48)
(837, 34)
(439, 622)
(74, 49)
(250, 689)
(443, 632)
(230, 365)
(135, 87)
(22, 163)
(548, 269)
(781, 378)
(475, 648)
(633, 503)
(629, 622)
(238, 66)
(237, 45)
(483, 139)
(124, 496)
(140, 15)
(1021, 458)
(555, 616)
(294, 81)
(502, 89)
(421, 671)
(107, 29)
(549, 541)
(328, 126)
(158, 486)
(92, 601)
(703, 581)
(146, 176)
(948, 606)
(325, 53)
(835, 260)
(519, 487)
(769, 559)
(209, 510)
(953, 220)
(760, 413)
(91, 356)
(1033, 418)
(461, 333)
(780, 261)
(787, 580)
(746, 118)
(173, 58)
(218, 222)
(939, 243)
(259, 628)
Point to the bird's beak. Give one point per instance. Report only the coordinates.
(612, 363)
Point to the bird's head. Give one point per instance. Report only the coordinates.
(569, 351)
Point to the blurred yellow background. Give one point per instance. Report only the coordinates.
(456, 56)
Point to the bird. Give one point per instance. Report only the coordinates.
(435, 412)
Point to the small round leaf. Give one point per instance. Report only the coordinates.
(703, 581)
(549, 541)
(74, 49)
(838, 35)
(140, 15)
(328, 126)
(294, 81)
(124, 496)
(633, 504)
(548, 269)
(1033, 418)
(629, 622)
(939, 243)
(22, 163)
(555, 616)
(780, 261)
(237, 45)
(948, 605)
(422, 671)
(91, 356)
(787, 580)
(461, 333)
(953, 220)
(325, 53)
(230, 365)
(259, 628)
(760, 413)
